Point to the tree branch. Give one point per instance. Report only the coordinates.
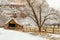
(49, 18)
(41, 10)
(33, 12)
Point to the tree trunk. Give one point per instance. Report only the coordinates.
(40, 19)
(39, 28)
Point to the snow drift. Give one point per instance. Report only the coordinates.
(14, 35)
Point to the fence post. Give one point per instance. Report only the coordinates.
(53, 29)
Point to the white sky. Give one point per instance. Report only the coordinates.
(54, 4)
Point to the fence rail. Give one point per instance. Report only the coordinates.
(51, 30)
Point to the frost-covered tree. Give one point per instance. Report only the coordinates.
(41, 12)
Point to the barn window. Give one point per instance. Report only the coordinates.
(11, 25)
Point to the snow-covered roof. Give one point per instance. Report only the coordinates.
(14, 20)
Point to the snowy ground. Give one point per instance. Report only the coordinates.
(50, 36)
(15, 35)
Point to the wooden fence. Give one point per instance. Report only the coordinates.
(53, 29)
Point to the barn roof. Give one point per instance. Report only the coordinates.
(14, 20)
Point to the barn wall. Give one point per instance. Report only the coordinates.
(6, 26)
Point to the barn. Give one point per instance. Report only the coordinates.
(13, 24)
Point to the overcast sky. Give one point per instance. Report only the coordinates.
(54, 4)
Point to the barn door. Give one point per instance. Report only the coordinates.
(12, 26)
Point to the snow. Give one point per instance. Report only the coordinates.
(15, 35)
(15, 3)
(55, 35)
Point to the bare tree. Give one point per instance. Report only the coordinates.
(39, 21)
